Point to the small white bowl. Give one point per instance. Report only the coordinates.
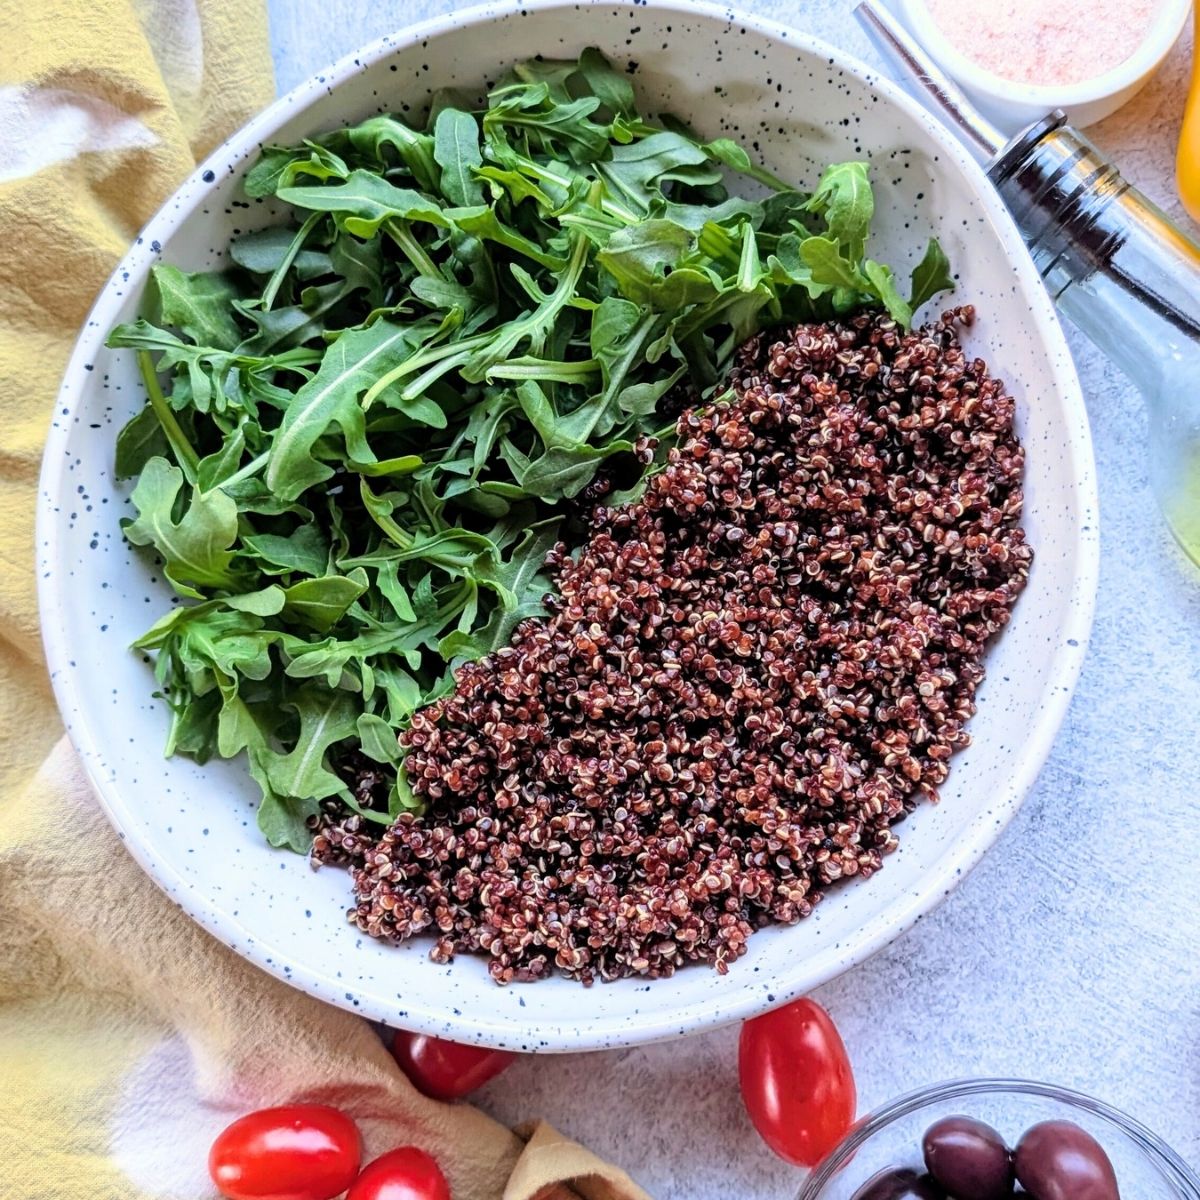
(1011, 105)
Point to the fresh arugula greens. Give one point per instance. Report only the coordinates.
(363, 436)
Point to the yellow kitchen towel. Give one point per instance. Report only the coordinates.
(128, 1036)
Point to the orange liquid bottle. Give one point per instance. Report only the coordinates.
(1187, 165)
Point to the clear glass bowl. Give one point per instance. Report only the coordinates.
(1147, 1168)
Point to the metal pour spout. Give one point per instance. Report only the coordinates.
(934, 88)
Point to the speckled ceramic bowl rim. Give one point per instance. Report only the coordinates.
(654, 1023)
(1151, 1145)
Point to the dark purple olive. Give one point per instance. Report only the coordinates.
(1057, 1160)
(968, 1159)
(899, 1183)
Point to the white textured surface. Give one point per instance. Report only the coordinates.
(1073, 952)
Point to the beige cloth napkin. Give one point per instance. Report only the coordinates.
(128, 1036)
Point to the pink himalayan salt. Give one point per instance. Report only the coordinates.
(1047, 42)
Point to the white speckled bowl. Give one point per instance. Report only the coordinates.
(800, 104)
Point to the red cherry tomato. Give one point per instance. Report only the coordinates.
(446, 1070)
(796, 1081)
(404, 1174)
(297, 1152)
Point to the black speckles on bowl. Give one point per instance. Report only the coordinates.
(711, 68)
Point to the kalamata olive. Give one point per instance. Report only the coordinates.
(968, 1159)
(1057, 1160)
(899, 1183)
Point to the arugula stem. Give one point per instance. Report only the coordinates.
(432, 374)
(369, 814)
(760, 174)
(431, 516)
(717, 242)
(616, 379)
(402, 235)
(748, 262)
(188, 459)
(606, 203)
(593, 224)
(704, 318)
(544, 368)
(249, 469)
(277, 278)
(385, 522)
(421, 359)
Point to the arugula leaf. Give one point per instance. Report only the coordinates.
(220, 466)
(140, 440)
(196, 549)
(456, 151)
(363, 202)
(296, 782)
(844, 197)
(322, 163)
(482, 222)
(264, 250)
(283, 820)
(326, 717)
(332, 395)
(828, 266)
(611, 87)
(376, 738)
(883, 283)
(545, 122)
(321, 603)
(641, 257)
(515, 185)
(266, 602)
(377, 135)
(525, 578)
(303, 551)
(263, 177)
(727, 151)
(931, 275)
(199, 304)
(638, 172)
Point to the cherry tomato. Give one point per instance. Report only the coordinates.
(404, 1174)
(796, 1081)
(446, 1070)
(297, 1152)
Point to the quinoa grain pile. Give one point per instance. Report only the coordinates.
(746, 679)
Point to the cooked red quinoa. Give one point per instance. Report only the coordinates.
(747, 678)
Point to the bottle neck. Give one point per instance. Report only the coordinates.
(1112, 261)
